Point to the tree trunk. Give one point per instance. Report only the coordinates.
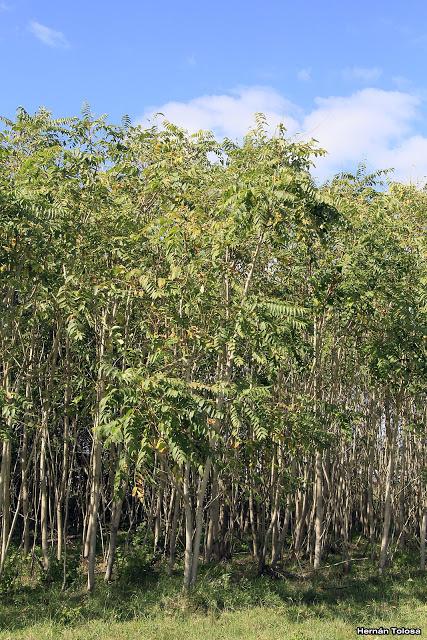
(188, 510)
(318, 526)
(388, 492)
(115, 522)
(203, 482)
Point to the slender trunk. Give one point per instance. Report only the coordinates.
(115, 522)
(318, 526)
(388, 492)
(93, 518)
(203, 482)
(60, 494)
(277, 547)
(212, 548)
(96, 470)
(158, 509)
(5, 498)
(44, 515)
(173, 531)
(423, 534)
(301, 512)
(188, 510)
(254, 525)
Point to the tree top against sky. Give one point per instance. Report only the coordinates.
(349, 75)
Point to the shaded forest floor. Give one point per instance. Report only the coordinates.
(229, 602)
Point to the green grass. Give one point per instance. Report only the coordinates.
(229, 602)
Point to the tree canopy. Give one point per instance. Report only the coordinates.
(198, 340)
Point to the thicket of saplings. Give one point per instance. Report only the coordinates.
(203, 351)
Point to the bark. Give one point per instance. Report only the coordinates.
(212, 545)
(114, 528)
(388, 492)
(173, 531)
(319, 510)
(203, 482)
(5, 495)
(188, 510)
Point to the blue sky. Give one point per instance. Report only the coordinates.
(350, 74)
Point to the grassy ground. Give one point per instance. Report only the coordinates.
(230, 602)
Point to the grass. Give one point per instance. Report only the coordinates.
(230, 602)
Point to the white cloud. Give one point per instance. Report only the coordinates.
(362, 126)
(371, 125)
(229, 115)
(304, 75)
(409, 159)
(48, 36)
(362, 74)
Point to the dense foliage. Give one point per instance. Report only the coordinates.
(201, 347)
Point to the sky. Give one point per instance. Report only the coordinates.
(349, 74)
